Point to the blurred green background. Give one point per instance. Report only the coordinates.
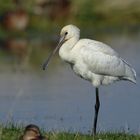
(29, 29)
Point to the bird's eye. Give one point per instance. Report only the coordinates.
(66, 33)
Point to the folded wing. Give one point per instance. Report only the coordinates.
(103, 60)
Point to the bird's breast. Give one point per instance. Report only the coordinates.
(81, 70)
(66, 55)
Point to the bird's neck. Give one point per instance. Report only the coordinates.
(65, 51)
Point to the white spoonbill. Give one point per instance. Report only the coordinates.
(93, 61)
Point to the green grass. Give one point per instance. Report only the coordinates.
(12, 132)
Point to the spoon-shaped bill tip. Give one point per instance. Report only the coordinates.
(46, 63)
(44, 66)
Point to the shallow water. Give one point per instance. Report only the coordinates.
(57, 99)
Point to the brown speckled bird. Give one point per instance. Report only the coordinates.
(32, 132)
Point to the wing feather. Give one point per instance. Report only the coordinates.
(101, 59)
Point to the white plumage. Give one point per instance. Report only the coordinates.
(94, 60)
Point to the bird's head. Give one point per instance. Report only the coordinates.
(31, 132)
(69, 32)
(66, 33)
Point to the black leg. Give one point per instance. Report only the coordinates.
(97, 106)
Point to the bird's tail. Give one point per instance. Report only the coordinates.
(130, 73)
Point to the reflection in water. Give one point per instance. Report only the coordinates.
(58, 99)
(20, 50)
